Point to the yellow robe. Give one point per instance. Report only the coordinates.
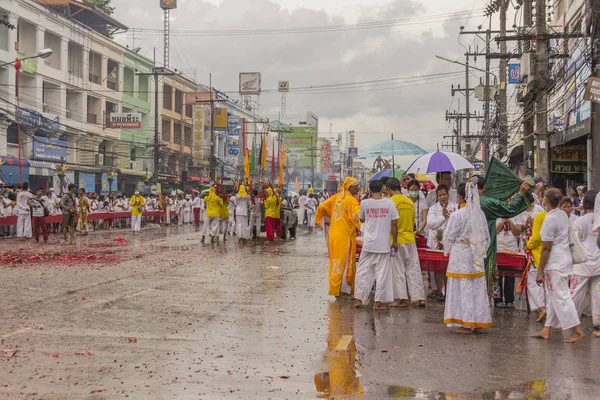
(342, 238)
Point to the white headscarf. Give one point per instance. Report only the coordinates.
(477, 233)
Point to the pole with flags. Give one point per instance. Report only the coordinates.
(253, 157)
(282, 160)
(273, 161)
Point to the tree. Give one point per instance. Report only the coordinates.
(102, 5)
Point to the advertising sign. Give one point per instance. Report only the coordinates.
(198, 128)
(125, 120)
(284, 86)
(353, 151)
(87, 181)
(250, 83)
(220, 119)
(49, 149)
(592, 90)
(233, 149)
(29, 66)
(514, 74)
(235, 126)
(298, 143)
(197, 97)
(105, 186)
(569, 160)
(33, 122)
(168, 4)
(325, 157)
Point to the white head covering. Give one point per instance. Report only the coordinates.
(477, 233)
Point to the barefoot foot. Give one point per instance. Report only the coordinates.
(577, 335)
(464, 331)
(379, 307)
(542, 316)
(543, 334)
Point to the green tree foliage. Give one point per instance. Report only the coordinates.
(102, 5)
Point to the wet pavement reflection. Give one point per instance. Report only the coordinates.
(175, 318)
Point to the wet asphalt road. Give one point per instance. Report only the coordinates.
(165, 317)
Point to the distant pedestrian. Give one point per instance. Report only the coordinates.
(556, 265)
(83, 205)
(566, 204)
(242, 229)
(24, 212)
(68, 205)
(39, 211)
(137, 204)
(378, 216)
(197, 208)
(187, 209)
(311, 210)
(213, 204)
(270, 214)
(255, 214)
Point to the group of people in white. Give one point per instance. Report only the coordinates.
(560, 286)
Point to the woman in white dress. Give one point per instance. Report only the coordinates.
(242, 201)
(467, 239)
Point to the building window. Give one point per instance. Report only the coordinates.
(187, 136)
(112, 80)
(189, 110)
(168, 97)
(166, 130)
(132, 154)
(128, 81)
(177, 133)
(110, 109)
(178, 101)
(95, 67)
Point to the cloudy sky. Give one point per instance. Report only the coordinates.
(412, 110)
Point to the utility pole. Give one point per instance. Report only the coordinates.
(541, 98)
(486, 106)
(594, 149)
(528, 109)
(502, 99)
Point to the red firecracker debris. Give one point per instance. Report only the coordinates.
(83, 298)
(132, 340)
(120, 240)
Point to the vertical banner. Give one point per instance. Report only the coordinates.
(198, 134)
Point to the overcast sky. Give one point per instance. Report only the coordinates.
(414, 113)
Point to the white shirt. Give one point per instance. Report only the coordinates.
(256, 208)
(241, 207)
(506, 239)
(556, 230)
(573, 217)
(377, 228)
(22, 198)
(311, 205)
(597, 213)
(37, 206)
(588, 237)
(197, 202)
(431, 199)
(436, 221)
(302, 200)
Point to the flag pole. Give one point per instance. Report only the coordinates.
(393, 158)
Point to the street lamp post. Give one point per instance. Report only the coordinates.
(61, 169)
(17, 64)
(110, 178)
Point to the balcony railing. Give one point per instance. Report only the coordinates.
(92, 118)
(95, 79)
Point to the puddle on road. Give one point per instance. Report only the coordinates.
(529, 391)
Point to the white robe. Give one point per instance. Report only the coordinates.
(242, 229)
(467, 300)
(585, 282)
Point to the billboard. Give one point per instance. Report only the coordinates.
(234, 125)
(197, 97)
(250, 83)
(49, 149)
(125, 120)
(233, 149)
(105, 184)
(514, 74)
(168, 4)
(284, 86)
(87, 181)
(220, 119)
(299, 144)
(353, 151)
(326, 157)
(198, 131)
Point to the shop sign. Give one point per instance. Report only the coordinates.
(233, 149)
(35, 122)
(125, 120)
(49, 149)
(569, 160)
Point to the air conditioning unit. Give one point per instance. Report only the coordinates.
(99, 159)
(133, 164)
(526, 66)
(68, 113)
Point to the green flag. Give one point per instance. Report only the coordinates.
(500, 182)
(253, 157)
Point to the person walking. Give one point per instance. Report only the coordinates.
(197, 207)
(242, 202)
(536, 293)
(379, 218)
(270, 214)
(255, 214)
(586, 276)
(466, 239)
(83, 205)
(137, 203)
(342, 209)
(24, 212)
(39, 211)
(68, 205)
(187, 209)
(213, 204)
(556, 264)
(311, 210)
(406, 269)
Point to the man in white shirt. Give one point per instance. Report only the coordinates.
(442, 178)
(303, 219)
(586, 276)
(379, 216)
(311, 210)
(24, 215)
(255, 214)
(508, 231)
(556, 265)
(197, 206)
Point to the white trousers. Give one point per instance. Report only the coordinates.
(24, 225)
(255, 222)
(224, 226)
(536, 293)
(311, 219)
(136, 223)
(371, 268)
(168, 215)
(560, 306)
(582, 286)
(187, 217)
(242, 230)
(231, 224)
(211, 226)
(406, 271)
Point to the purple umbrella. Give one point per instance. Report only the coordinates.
(439, 161)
